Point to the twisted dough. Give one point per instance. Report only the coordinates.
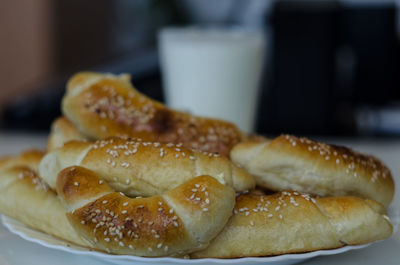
(105, 105)
(288, 162)
(290, 222)
(179, 221)
(24, 197)
(140, 168)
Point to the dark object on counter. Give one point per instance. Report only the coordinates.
(328, 59)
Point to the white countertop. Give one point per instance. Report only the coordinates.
(14, 250)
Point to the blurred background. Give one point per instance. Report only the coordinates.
(331, 68)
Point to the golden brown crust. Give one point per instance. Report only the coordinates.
(171, 224)
(142, 168)
(24, 197)
(102, 106)
(288, 162)
(290, 222)
(62, 131)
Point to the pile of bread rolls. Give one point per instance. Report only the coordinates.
(124, 174)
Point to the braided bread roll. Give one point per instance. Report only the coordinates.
(288, 162)
(142, 168)
(290, 222)
(62, 131)
(24, 197)
(179, 221)
(105, 105)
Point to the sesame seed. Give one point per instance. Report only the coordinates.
(205, 209)
(125, 204)
(150, 249)
(252, 223)
(166, 248)
(159, 245)
(207, 201)
(107, 239)
(124, 211)
(176, 224)
(171, 211)
(83, 222)
(270, 215)
(105, 202)
(121, 243)
(76, 183)
(130, 246)
(100, 181)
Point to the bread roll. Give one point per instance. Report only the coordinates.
(62, 131)
(29, 158)
(290, 222)
(288, 162)
(24, 197)
(105, 105)
(179, 221)
(142, 168)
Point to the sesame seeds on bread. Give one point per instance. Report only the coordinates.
(289, 162)
(292, 222)
(177, 222)
(140, 168)
(105, 105)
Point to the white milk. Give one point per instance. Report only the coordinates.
(213, 72)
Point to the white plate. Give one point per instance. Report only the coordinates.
(46, 240)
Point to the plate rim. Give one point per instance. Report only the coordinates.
(8, 223)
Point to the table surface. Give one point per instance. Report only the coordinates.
(14, 250)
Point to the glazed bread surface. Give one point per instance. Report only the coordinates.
(106, 105)
(290, 222)
(288, 162)
(140, 168)
(177, 222)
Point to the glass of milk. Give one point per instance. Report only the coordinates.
(213, 72)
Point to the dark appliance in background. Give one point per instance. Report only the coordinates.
(328, 59)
